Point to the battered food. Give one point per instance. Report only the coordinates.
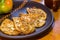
(26, 23)
(27, 29)
(17, 23)
(42, 14)
(22, 26)
(7, 27)
(39, 23)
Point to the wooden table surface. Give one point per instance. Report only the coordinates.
(54, 34)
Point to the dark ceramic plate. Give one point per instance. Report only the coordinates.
(31, 4)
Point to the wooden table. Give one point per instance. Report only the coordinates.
(54, 34)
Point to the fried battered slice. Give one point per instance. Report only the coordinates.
(17, 23)
(27, 29)
(7, 27)
(42, 14)
(31, 10)
(39, 23)
(34, 16)
(23, 26)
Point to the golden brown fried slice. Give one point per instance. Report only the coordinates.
(26, 18)
(27, 29)
(42, 14)
(31, 10)
(34, 16)
(17, 23)
(23, 26)
(7, 27)
(39, 23)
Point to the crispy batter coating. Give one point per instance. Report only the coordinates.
(7, 27)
